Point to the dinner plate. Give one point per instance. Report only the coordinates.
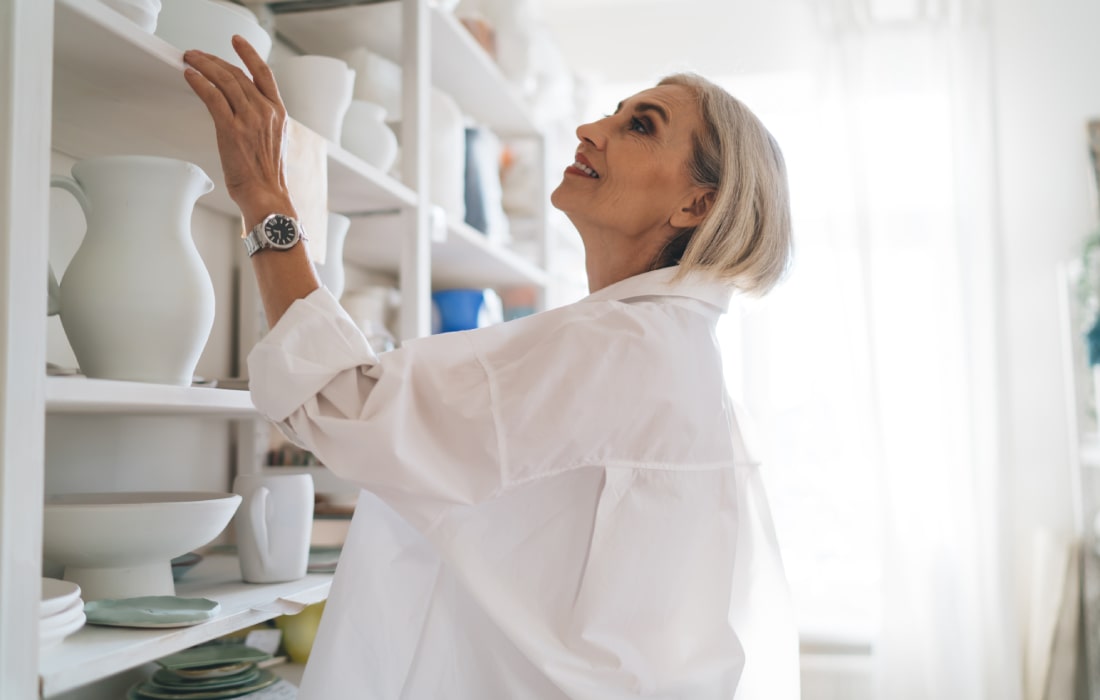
(212, 655)
(151, 611)
(168, 680)
(48, 625)
(56, 636)
(57, 595)
(146, 691)
(219, 671)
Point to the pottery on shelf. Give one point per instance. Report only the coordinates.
(316, 91)
(367, 135)
(448, 156)
(331, 271)
(209, 25)
(121, 545)
(137, 302)
(377, 80)
(143, 13)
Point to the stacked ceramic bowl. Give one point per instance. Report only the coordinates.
(61, 612)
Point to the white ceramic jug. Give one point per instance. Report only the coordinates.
(137, 302)
(367, 135)
(274, 526)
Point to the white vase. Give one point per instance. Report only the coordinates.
(137, 302)
(448, 156)
(366, 134)
(331, 272)
(377, 80)
(316, 91)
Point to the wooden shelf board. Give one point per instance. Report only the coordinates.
(460, 67)
(97, 652)
(83, 395)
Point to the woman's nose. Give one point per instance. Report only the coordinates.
(593, 133)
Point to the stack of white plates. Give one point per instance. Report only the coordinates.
(61, 612)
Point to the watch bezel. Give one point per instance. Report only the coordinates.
(266, 235)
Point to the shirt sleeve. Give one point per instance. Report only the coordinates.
(413, 425)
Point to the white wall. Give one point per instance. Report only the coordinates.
(1046, 87)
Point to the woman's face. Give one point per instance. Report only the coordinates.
(630, 178)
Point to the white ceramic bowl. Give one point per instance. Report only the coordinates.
(209, 25)
(143, 13)
(120, 545)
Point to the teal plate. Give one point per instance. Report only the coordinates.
(168, 680)
(212, 655)
(146, 691)
(151, 611)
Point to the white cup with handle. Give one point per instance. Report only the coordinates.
(273, 526)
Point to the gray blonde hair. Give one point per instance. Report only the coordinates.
(745, 239)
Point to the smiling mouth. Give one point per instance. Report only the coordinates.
(586, 170)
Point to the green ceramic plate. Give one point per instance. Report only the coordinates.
(150, 611)
(146, 691)
(212, 655)
(167, 680)
(219, 671)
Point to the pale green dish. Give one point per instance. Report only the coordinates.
(143, 690)
(212, 655)
(151, 611)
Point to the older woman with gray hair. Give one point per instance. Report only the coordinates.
(564, 505)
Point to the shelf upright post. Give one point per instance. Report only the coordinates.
(26, 82)
(415, 147)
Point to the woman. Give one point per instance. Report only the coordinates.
(561, 506)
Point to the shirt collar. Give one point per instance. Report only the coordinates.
(659, 283)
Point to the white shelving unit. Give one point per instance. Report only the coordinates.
(96, 652)
(119, 90)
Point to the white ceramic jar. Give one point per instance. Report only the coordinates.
(316, 91)
(367, 135)
(137, 302)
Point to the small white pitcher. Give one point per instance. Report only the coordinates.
(273, 526)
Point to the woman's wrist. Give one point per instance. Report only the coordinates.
(255, 209)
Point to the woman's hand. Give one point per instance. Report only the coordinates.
(250, 121)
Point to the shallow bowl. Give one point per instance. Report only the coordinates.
(120, 545)
(209, 26)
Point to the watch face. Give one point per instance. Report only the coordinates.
(280, 231)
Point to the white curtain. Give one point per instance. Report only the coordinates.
(872, 370)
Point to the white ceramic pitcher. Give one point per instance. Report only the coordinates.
(274, 526)
(137, 302)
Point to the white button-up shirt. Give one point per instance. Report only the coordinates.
(561, 506)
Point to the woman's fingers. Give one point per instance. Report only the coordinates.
(210, 95)
(261, 72)
(221, 75)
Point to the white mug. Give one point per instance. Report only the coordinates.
(274, 525)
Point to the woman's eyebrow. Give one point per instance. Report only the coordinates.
(647, 107)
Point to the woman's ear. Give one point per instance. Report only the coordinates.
(693, 209)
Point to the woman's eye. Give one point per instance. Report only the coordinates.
(638, 125)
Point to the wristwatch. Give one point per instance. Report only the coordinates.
(276, 231)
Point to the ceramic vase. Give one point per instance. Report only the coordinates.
(448, 155)
(367, 135)
(137, 302)
(331, 271)
(316, 91)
